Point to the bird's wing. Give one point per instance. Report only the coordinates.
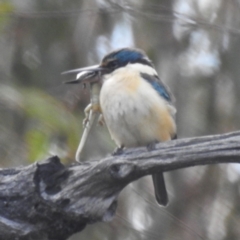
(159, 86)
(158, 179)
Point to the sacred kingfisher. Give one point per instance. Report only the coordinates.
(136, 105)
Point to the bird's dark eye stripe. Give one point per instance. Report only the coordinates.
(113, 63)
(123, 57)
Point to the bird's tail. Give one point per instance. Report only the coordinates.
(160, 189)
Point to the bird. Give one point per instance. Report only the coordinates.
(137, 106)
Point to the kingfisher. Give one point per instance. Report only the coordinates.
(137, 107)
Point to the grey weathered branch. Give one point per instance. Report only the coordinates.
(48, 200)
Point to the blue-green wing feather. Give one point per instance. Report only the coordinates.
(159, 86)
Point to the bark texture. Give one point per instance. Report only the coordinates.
(48, 201)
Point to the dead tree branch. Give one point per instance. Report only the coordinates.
(48, 200)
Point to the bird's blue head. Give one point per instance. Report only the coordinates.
(109, 63)
(122, 57)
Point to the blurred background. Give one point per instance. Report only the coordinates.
(195, 46)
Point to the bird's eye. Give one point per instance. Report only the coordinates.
(113, 64)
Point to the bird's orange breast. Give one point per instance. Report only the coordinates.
(134, 112)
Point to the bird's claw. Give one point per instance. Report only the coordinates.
(118, 151)
(151, 146)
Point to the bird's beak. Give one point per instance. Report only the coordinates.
(87, 74)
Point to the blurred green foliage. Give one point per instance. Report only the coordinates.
(6, 8)
(49, 119)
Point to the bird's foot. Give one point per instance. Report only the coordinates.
(118, 151)
(151, 146)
